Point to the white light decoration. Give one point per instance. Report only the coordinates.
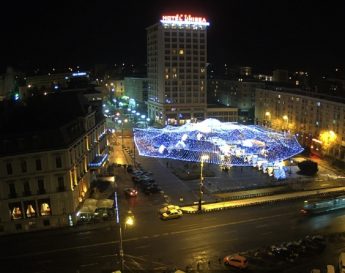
(222, 141)
(184, 137)
(161, 149)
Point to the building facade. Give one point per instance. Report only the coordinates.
(309, 115)
(235, 93)
(176, 69)
(136, 88)
(222, 113)
(45, 174)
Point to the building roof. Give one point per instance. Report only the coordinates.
(43, 122)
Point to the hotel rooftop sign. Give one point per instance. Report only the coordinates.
(184, 19)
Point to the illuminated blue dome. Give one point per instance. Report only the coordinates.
(223, 142)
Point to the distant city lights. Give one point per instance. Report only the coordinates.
(78, 74)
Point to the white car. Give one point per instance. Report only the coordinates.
(171, 214)
(168, 207)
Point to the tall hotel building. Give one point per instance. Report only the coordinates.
(176, 67)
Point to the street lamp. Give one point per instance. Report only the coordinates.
(129, 221)
(202, 159)
(286, 118)
(268, 117)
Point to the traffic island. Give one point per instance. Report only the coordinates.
(218, 206)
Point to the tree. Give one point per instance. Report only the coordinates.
(308, 167)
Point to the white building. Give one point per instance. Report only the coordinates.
(176, 67)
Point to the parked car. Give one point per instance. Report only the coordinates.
(236, 261)
(153, 188)
(171, 214)
(140, 178)
(168, 207)
(129, 168)
(131, 192)
(104, 213)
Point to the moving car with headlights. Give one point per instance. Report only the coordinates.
(168, 207)
(236, 261)
(171, 214)
(131, 192)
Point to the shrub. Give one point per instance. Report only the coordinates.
(308, 167)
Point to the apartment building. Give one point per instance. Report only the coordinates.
(311, 116)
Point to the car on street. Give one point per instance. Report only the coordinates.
(131, 192)
(168, 207)
(171, 214)
(138, 179)
(236, 261)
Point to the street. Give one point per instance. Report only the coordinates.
(156, 244)
(195, 241)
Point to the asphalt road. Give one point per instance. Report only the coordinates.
(155, 244)
(197, 241)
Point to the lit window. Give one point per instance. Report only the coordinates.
(181, 52)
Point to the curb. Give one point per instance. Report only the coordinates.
(254, 203)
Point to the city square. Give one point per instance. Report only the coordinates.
(172, 137)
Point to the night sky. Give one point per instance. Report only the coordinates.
(263, 34)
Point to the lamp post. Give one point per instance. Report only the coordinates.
(202, 159)
(129, 221)
(268, 118)
(286, 118)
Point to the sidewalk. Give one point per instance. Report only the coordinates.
(208, 207)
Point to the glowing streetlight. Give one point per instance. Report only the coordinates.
(130, 219)
(286, 118)
(202, 159)
(268, 116)
(328, 138)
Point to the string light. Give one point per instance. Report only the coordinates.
(225, 143)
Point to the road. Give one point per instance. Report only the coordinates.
(193, 240)
(156, 244)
